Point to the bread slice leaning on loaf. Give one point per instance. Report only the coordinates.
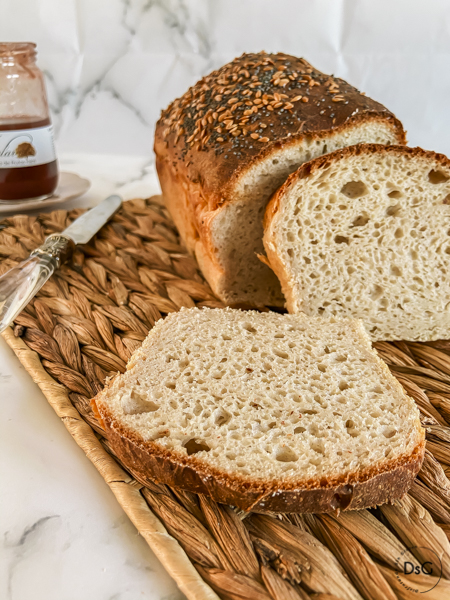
(265, 412)
(232, 139)
(365, 232)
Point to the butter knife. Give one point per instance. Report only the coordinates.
(21, 283)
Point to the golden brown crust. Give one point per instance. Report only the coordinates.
(278, 99)
(187, 133)
(372, 487)
(305, 171)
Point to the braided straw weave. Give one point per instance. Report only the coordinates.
(85, 324)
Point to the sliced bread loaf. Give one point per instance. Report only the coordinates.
(365, 232)
(264, 411)
(231, 140)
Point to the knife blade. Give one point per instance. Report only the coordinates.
(21, 283)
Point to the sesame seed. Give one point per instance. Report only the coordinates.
(242, 98)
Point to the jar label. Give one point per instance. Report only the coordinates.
(27, 147)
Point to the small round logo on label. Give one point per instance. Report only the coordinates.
(419, 569)
(24, 150)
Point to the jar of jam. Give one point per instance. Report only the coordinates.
(28, 166)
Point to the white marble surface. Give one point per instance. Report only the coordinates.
(112, 65)
(63, 536)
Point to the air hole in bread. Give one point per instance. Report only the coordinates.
(376, 292)
(193, 446)
(395, 194)
(248, 327)
(280, 353)
(340, 358)
(136, 404)
(318, 446)
(360, 221)
(396, 271)
(446, 200)
(171, 385)
(393, 210)
(354, 189)
(350, 426)
(285, 454)
(389, 432)
(343, 385)
(226, 337)
(340, 239)
(299, 430)
(437, 177)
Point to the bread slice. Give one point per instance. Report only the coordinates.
(365, 232)
(232, 139)
(265, 412)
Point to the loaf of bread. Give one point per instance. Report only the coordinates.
(224, 147)
(365, 232)
(264, 411)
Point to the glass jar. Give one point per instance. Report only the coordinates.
(28, 166)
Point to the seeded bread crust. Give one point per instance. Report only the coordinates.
(323, 162)
(372, 487)
(204, 161)
(201, 168)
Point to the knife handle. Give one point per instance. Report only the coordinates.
(21, 283)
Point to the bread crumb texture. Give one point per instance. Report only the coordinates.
(367, 235)
(264, 396)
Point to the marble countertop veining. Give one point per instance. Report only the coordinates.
(63, 536)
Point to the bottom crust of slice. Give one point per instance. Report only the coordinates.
(150, 463)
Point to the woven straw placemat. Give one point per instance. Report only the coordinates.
(84, 325)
